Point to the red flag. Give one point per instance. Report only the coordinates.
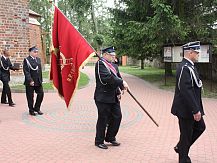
(70, 53)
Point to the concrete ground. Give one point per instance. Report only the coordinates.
(63, 136)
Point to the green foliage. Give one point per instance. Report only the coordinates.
(164, 25)
(99, 40)
(156, 77)
(137, 28)
(130, 29)
(140, 28)
(43, 7)
(148, 73)
(81, 13)
(83, 81)
(90, 17)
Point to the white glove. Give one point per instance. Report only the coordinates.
(31, 83)
(126, 87)
(197, 116)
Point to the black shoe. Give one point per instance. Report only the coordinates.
(39, 112)
(176, 149)
(4, 102)
(114, 143)
(103, 146)
(12, 104)
(188, 160)
(32, 113)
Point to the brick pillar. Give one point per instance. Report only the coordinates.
(124, 60)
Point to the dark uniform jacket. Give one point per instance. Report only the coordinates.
(5, 67)
(107, 84)
(31, 72)
(0, 69)
(187, 99)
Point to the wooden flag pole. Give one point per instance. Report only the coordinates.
(142, 107)
(138, 103)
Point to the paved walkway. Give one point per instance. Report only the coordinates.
(68, 136)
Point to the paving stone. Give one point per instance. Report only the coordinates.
(67, 136)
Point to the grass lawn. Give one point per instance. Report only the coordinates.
(156, 76)
(84, 79)
(153, 75)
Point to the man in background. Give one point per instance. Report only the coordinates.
(5, 67)
(33, 81)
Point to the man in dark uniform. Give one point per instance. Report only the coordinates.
(187, 103)
(33, 81)
(108, 85)
(5, 68)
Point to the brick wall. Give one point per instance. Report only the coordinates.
(14, 32)
(35, 39)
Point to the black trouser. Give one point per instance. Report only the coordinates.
(6, 91)
(108, 113)
(190, 131)
(30, 97)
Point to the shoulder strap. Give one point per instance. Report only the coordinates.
(193, 77)
(109, 66)
(30, 66)
(106, 66)
(99, 74)
(6, 69)
(199, 84)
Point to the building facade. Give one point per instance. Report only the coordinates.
(14, 28)
(19, 29)
(35, 35)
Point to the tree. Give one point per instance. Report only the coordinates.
(129, 27)
(141, 27)
(137, 28)
(42, 7)
(144, 26)
(86, 17)
(165, 28)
